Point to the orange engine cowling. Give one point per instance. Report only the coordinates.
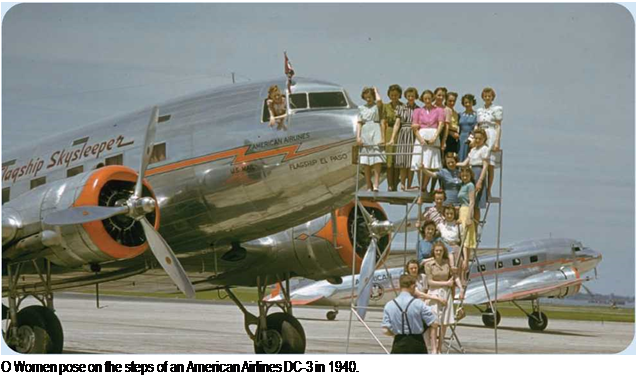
(118, 237)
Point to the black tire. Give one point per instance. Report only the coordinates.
(535, 324)
(488, 318)
(331, 315)
(46, 327)
(289, 330)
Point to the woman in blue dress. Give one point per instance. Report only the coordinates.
(449, 178)
(467, 123)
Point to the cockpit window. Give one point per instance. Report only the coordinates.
(297, 101)
(327, 100)
(318, 100)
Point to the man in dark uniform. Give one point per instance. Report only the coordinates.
(406, 318)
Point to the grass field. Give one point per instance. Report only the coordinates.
(553, 311)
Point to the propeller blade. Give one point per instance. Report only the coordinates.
(82, 214)
(149, 140)
(365, 279)
(167, 259)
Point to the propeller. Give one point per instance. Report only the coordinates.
(365, 278)
(135, 207)
(377, 228)
(83, 214)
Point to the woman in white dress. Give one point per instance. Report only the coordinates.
(440, 283)
(370, 137)
(490, 118)
(427, 124)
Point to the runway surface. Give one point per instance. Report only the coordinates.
(134, 325)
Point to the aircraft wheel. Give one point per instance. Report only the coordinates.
(284, 335)
(488, 318)
(39, 331)
(331, 315)
(534, 322)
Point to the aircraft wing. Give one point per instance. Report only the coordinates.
(557, 283)
(304, 295)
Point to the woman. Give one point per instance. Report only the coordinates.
(412, 268)
(478, 159)
(451, 235)
(428, 237)
(427, 123)
(449, 230)
(449, 178)
(404, 137)
(389, 122)
(439, 96)
(467, 123)
(490, 118)
(369, 136)
(276, 108)
(466, 218)
(440, 283)
(451, 124)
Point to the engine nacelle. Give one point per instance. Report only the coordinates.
(539, 281)
(317, 249)
(119, 237)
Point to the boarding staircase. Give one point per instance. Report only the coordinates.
(410, 200)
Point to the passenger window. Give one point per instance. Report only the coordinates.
(6, 194)
(74, 171)
(114, 160)
(327, 100)
(158, 154)
(38, 182)
(533, 259)
(500, 264)
(482, 268)
(516, 262)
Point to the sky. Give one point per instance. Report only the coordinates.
(564, 74)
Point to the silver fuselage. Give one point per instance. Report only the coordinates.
(227, 176)
(524, 267)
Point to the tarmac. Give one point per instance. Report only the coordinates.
(158, 326)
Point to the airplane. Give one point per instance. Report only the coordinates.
(385, 287)
(528, 270)
(200, 183)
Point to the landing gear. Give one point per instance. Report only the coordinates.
(537, 320)
(488, 317)
(284, 335)
(39, 331)
(277, 333)
(332, 315)
(33, 329)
